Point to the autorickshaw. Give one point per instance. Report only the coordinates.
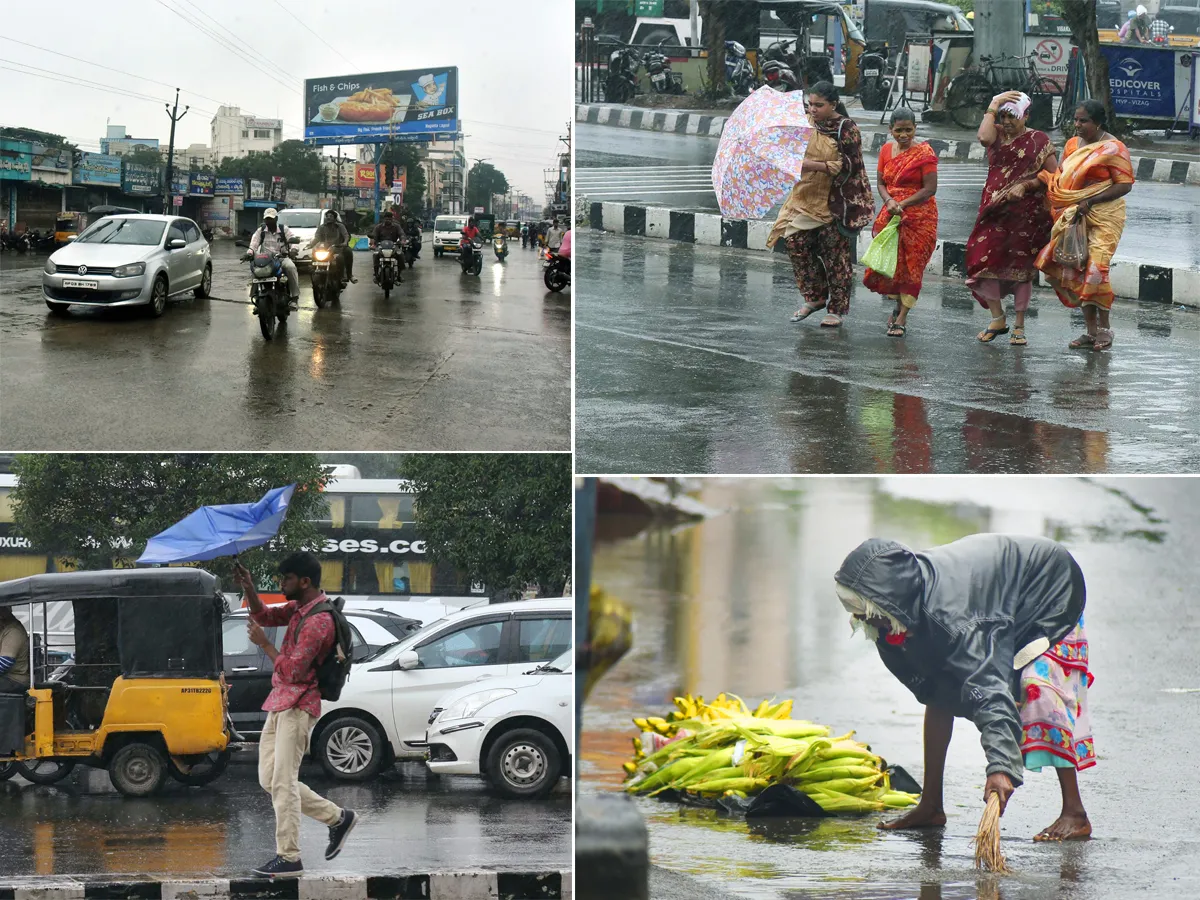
(486, 223)
(68, 225)
(143, 694)
(808, 53)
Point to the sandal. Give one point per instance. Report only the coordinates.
(895, 330)
(895, 314)
(989, 334)
(1084, 340)
(831, 321)
(1104, 340)
(805, 311)
(1017, 339)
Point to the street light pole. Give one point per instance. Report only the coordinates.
(487, 202)
(171, 149)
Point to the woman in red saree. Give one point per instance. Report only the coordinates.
(1013, 224)
(907, 181)
(1095, 177)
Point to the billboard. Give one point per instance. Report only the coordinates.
(140, 179)
(258, 190)
(16, 160)
(179, 182)
(98, 168)
(410, 105)
(202, 184)
(1142, 80)
(233, 186)
(46, 157)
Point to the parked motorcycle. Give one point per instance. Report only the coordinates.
(470, 256)
(872, 75)
(19, 243)
(779, 66)
(662, 79)
(500, 246)
(621, 83)
(556, 271)
(268, 289)
(328, 279)
(389, 267)
(739, 74)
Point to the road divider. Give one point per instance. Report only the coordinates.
(1130, 280)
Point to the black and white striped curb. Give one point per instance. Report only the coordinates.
(1145, 168)
(1130, 280)
(437, 886)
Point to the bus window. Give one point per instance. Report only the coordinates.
(335, 515)
(383, 511)
(6, 511)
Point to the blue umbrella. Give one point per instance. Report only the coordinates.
(225, 530)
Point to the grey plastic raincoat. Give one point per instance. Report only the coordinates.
(968, 608)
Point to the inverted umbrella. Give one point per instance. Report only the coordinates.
(762, 147)
(224, 530)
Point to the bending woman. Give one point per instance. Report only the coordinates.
(826, 209)
(1013, 224)
(907, 181)
(1095, 177)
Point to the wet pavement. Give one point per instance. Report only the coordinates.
(743, 602)
(626, 165)
(687, 363)
(449, 362)
(411, 822)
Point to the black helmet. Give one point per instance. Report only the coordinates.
(387, 213)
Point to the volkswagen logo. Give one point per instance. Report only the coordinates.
(83, 270)
(1130, 66)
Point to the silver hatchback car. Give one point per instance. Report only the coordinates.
(129, 260)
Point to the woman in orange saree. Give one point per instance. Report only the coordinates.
(1096, 175)
(907, 181)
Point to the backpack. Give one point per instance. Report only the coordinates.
(334, 670)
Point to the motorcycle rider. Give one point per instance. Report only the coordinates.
(470, 233)
(274, 237)
(524, 235)
(387, 230)
(554, 237)
(334, 233)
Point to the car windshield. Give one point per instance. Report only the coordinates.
(300, 219)
(123, 231)
(447, 223)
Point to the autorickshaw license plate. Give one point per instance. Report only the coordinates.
(80, 283)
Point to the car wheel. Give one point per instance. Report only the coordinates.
(158, 298)
(57, 308)
(524, 763)
(138, 770)
(205, 287)
(351, 749)
(7, 770)
(200, 771)
(44, 771)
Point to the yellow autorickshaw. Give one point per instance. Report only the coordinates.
(142, 694)
(804, 19)
(68, 225)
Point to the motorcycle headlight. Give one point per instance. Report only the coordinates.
(321, 255)
(473, 703)
(130, 270)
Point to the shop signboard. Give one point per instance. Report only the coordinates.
(98, 168)
(1142, 79)
(269, 124)
(1051, 55)
(258, 190)
(138, 179)
(202, 184)
(179, 182)
(47, 157)
(16, 160)
(278, 189)
(364, 175)
(377, 107)
(233, 186)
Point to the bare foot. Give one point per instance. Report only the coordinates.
(916, 818)
(1073, 826)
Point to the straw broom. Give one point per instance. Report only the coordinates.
(987, 839)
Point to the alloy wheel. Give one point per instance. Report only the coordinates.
(349, 750)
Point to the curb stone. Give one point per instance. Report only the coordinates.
(474, 885)
(1145, 168)
(1130, 280)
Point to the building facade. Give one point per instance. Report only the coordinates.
(117, 143)
(236, 135)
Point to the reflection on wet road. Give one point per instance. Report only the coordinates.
(450, 361)
(687, 363)
(743, 602)
(408, 823)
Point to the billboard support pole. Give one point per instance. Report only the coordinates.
(375, 202)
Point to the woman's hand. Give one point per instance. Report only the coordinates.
(998, 783)
(1016, 192)
(1082, 207)
(892, 206)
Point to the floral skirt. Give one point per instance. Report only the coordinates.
(1055, 727)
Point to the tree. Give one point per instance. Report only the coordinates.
(483, 180)
(503, 518)
(714, 13)
(299, 163)
(37, 137)
(1080, 15)
(95, 509)
(405, 155)
(144, 156)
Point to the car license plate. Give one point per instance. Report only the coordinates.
(80, 283)
(870, 73)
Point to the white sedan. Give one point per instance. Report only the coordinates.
(517, 732)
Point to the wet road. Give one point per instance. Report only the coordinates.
(623, 164)
(409, 824)
(449, 362)
(744, 603)
(687, 363)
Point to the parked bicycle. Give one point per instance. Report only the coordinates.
(972, 89)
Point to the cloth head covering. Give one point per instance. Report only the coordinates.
(1017, 107)
(1141, 10)
(858, 605)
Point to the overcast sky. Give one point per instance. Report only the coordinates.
(514, 59)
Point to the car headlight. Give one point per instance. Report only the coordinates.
(129, 270)
(50, 267)
(473, 703)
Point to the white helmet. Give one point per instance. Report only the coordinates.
(1141, 11)
(271, 213)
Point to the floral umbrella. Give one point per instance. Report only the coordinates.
(762, 147)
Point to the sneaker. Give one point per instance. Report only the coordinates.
(353, 280)
(281, 868)
(294, 303)
(339, 832)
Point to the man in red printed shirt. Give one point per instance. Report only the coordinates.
(292, 708)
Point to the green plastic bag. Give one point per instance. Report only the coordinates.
(884, 251)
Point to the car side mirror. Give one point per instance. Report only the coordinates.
(407, 659)
(176, 244)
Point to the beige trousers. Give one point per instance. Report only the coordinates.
(282, 746)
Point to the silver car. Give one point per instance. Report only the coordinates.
(129, 260)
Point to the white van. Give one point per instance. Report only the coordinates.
(303, 224)
(447, 232)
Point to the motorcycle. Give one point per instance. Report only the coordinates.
(739, 74)
(328, 280)
(621, 83)
(872, 76)
(207, 231)
(662, 79)
(389, 267)
(412, 247)
(268, 289)
(470, 256)
(779, 67)
(556, 271)
(18, 242)
(500, 246)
